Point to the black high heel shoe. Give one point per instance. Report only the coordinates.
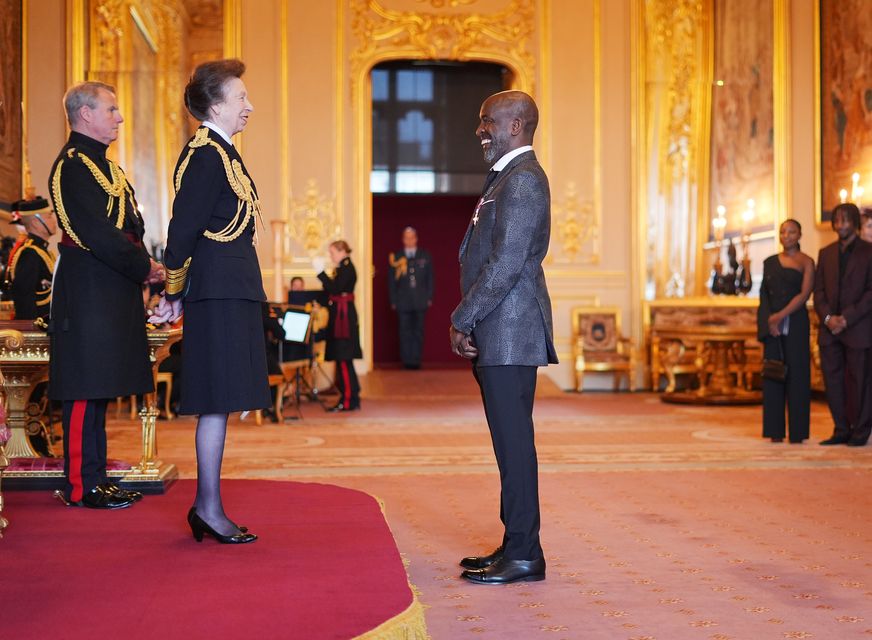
(199, 528)
(238, 526)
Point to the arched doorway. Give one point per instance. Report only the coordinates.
(426, 173)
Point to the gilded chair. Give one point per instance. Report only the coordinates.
(599, 347)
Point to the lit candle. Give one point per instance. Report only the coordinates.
(858, 200)
(720, 223)
(748, 217)
(843, 195)
(855, 185)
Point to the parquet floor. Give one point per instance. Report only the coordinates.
(660, 522)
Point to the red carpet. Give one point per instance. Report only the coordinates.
(325, 566)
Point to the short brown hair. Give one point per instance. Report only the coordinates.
(342, 246)
(83, 94)
(206, 86)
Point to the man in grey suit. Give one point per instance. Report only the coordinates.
(503, 324)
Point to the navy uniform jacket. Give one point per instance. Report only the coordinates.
(205, 205)
(410, 282)
(30, 272)
(99, 347)
(505, 304)
(342, 283)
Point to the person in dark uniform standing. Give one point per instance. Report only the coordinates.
(212, 266)
(99, 347)
(31, 262)
(410, 283)
(343, 333)
(783, 328)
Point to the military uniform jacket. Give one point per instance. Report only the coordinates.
(505, 304)
(31, 267)
(410, 281)
(99, 347)
(342, 282)
(210, 250)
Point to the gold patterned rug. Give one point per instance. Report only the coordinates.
(659, 521)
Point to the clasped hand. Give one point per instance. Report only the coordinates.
(837, 324)
(166, 311)
(462, 344)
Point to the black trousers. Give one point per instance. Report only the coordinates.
(411, 335)
(846, 376)
(84, 423)
(507, 393)
(347, 383)
(796, 390)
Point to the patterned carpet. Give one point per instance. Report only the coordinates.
(660, 522)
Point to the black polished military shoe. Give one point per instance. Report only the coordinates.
(111, 487)
(507, 571)
(100, 498)
(482, 562)
(342, 407)
(834, 440)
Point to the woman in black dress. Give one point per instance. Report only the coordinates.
(212, 266)
(782, 327)
(343, 333)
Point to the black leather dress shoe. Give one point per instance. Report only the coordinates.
(856, 443)
(482, 562)
(834, 440)
(113, 488)
(193, 511)
(507, 571)
(199, 527)
(341, 407)
(100, 498)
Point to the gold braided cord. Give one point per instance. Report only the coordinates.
(238, 181)
(59, 204)
(118, 188)
(176, 278)
(47, 258)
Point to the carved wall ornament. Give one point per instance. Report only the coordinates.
(384, 34)
(313, 222)
(439, 4)
(576, 227)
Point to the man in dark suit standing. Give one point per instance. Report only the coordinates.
(503, 324)
(99, 347)
(410, 284)
(843, 302)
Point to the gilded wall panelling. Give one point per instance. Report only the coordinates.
(314, 221)
(577, 228)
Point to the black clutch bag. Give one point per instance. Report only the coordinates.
(775, 369)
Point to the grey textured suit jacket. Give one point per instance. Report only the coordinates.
(505, 304)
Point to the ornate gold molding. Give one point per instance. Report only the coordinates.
(440, 4)
(313, 222)
(384, 34)
(577, 229)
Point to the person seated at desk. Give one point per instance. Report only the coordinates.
(273, 335)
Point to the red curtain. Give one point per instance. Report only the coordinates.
(441, 221)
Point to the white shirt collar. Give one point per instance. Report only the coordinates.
(506, 159)
(218, 130)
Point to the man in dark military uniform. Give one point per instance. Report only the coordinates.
(411, 292)
(31, 262)
(99, 347)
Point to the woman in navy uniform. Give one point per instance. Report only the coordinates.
(212, 267)
(343, 333)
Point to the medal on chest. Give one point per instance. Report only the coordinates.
(478, 207)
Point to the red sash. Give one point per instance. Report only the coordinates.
(341, 326)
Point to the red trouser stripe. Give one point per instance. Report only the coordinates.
(344, 366)
(77, 420)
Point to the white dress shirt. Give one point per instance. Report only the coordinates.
(219, 131)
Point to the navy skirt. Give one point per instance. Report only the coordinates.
(223, 358)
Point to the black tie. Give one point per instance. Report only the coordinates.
(491, 176)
